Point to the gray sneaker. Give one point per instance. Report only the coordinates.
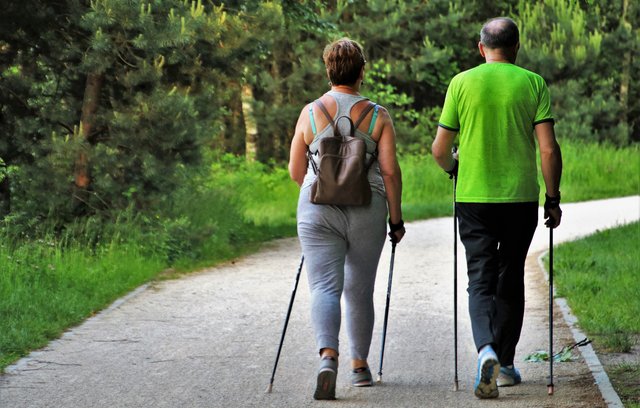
(327, 373)
(508, 377)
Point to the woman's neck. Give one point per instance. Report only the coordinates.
(348, 89)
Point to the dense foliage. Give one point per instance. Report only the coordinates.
(109, 105)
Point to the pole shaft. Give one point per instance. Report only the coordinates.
(551, 308)
(386, 309)
(455, 288)
(286, 320)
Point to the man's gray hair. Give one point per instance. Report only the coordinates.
(500, 32)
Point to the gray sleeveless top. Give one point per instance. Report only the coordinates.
(344, 104)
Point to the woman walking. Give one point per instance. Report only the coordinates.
(342, 244)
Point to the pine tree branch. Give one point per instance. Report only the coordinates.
(67, 127)
(121, 57)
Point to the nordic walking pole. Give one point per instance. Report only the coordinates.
(453, 175)
(550, 385)
(386, 309)
(286, 323)
(455, 290)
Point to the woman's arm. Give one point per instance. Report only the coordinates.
(390, 169)
(298, 153)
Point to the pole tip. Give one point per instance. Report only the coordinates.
(550, 389)
(269, 388)
(455, 386)
(379, 379)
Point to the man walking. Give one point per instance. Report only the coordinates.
(497, 107)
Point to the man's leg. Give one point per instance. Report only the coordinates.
(516, 232)
(481, 247)
(478, 234)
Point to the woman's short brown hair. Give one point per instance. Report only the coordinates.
(344, 60)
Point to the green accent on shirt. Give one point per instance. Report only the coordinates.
(495, 108)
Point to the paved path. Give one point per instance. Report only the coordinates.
(209, 339)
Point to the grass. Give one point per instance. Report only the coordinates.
(427, 191)
(49, 285)
(598, 276)
(593, 171)
(626, 380)
(45, 289)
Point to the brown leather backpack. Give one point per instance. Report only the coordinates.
(342, 169)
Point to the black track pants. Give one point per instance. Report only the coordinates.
(496, 238)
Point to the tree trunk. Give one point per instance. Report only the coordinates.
(625, 75)
(87, 122)
(5, 197)
(250, 124)
(276, 139)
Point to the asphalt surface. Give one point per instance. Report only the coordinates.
(209, 339)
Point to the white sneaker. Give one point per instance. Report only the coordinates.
(508, 377)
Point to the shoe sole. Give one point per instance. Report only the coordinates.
(363, 384)
(506, 381)
(362, 379)
(326, 387)
(487, 386)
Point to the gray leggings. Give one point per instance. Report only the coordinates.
(342, 247)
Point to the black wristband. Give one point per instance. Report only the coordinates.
(454, 171)
(396, 227)
(551, 203)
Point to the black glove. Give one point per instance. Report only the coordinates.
(454, 171)
(393, 228)
(550, 203)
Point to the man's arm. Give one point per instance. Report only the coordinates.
(551, 163)
(441, 148)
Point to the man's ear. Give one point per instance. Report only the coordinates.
(481, 49)
(516, 48)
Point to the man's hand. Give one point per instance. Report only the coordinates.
(552, 211)
(454, 171)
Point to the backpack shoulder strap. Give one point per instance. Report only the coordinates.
(326, 112)
(364, 114)
(333, 123)
(314, 166)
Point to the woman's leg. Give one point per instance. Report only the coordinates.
(324, 248)
(366, 236)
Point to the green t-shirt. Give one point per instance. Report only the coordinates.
(495, 107)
